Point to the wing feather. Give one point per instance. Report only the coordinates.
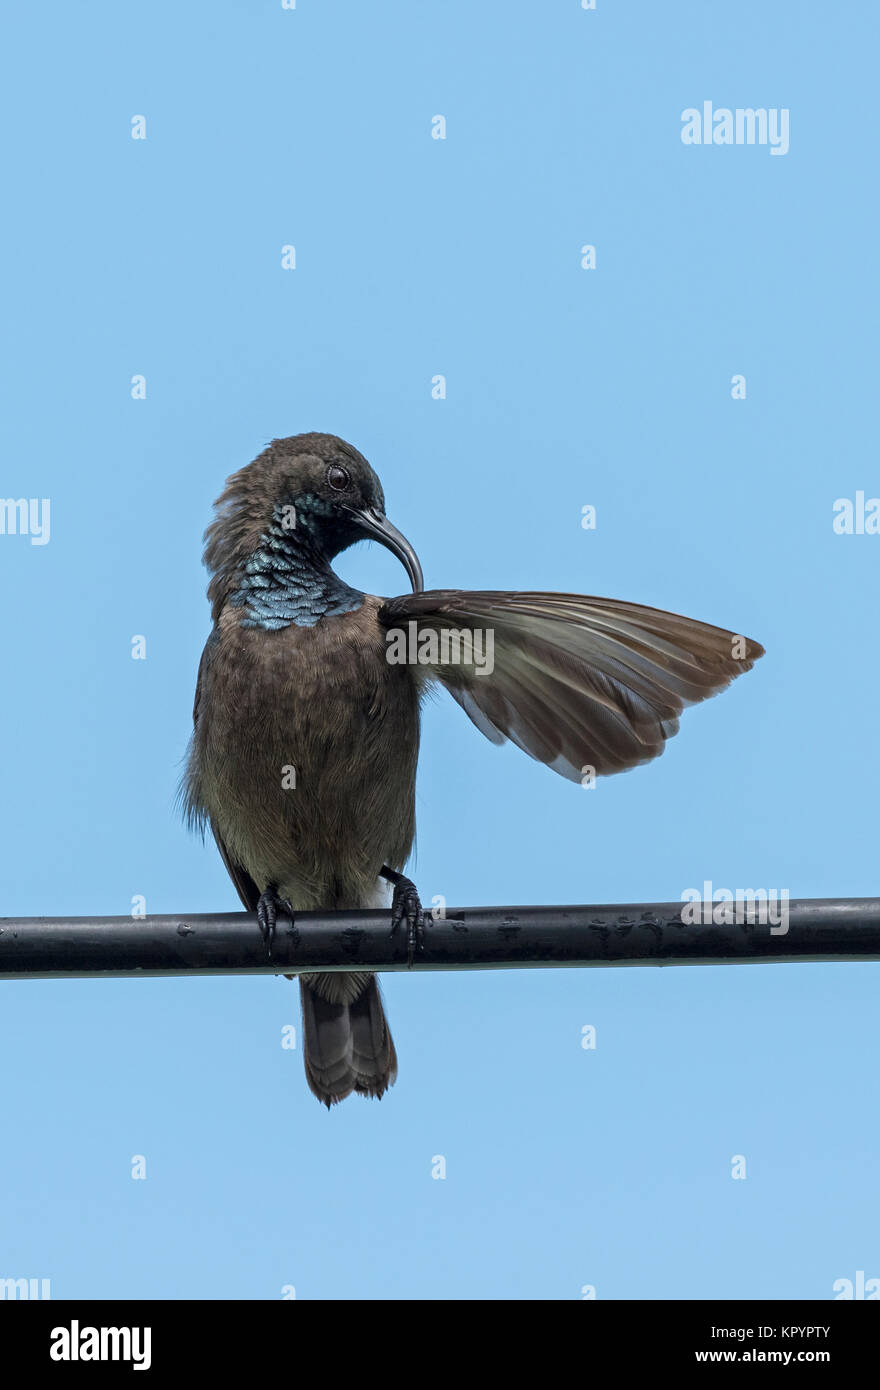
(576, 681)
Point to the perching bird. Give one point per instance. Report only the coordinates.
(303, 756)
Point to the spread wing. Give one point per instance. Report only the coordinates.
(575, 682)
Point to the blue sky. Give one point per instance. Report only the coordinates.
(612, 387)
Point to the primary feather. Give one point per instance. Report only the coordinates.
(578, 682)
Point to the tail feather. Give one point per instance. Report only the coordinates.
(347, 1044)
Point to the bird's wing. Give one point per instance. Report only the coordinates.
(245, 887)
(575, 682)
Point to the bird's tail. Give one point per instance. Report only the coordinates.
(346, 1039)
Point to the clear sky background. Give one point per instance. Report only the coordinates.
(565, 387)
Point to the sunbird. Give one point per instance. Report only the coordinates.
(306, 718)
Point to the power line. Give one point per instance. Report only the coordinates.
(468, 938)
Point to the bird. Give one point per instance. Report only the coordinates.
(302, 760)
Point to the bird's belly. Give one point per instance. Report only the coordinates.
(314, 789)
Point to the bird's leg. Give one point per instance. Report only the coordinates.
(406, 907)
(268, 907)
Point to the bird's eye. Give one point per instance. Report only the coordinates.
(338, 478)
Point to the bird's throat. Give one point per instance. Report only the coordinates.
(288, 580)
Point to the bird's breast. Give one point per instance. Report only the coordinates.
(308, 742)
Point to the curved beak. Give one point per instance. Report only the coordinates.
(377, 526)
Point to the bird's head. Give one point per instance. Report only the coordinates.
(312, 485)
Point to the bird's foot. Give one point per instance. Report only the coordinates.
(406, 906)
(268, 907)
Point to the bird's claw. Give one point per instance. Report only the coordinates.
(406, 906)
(268, 907)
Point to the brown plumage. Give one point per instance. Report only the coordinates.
(322, 701)
(578, 682)
(297, 676)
